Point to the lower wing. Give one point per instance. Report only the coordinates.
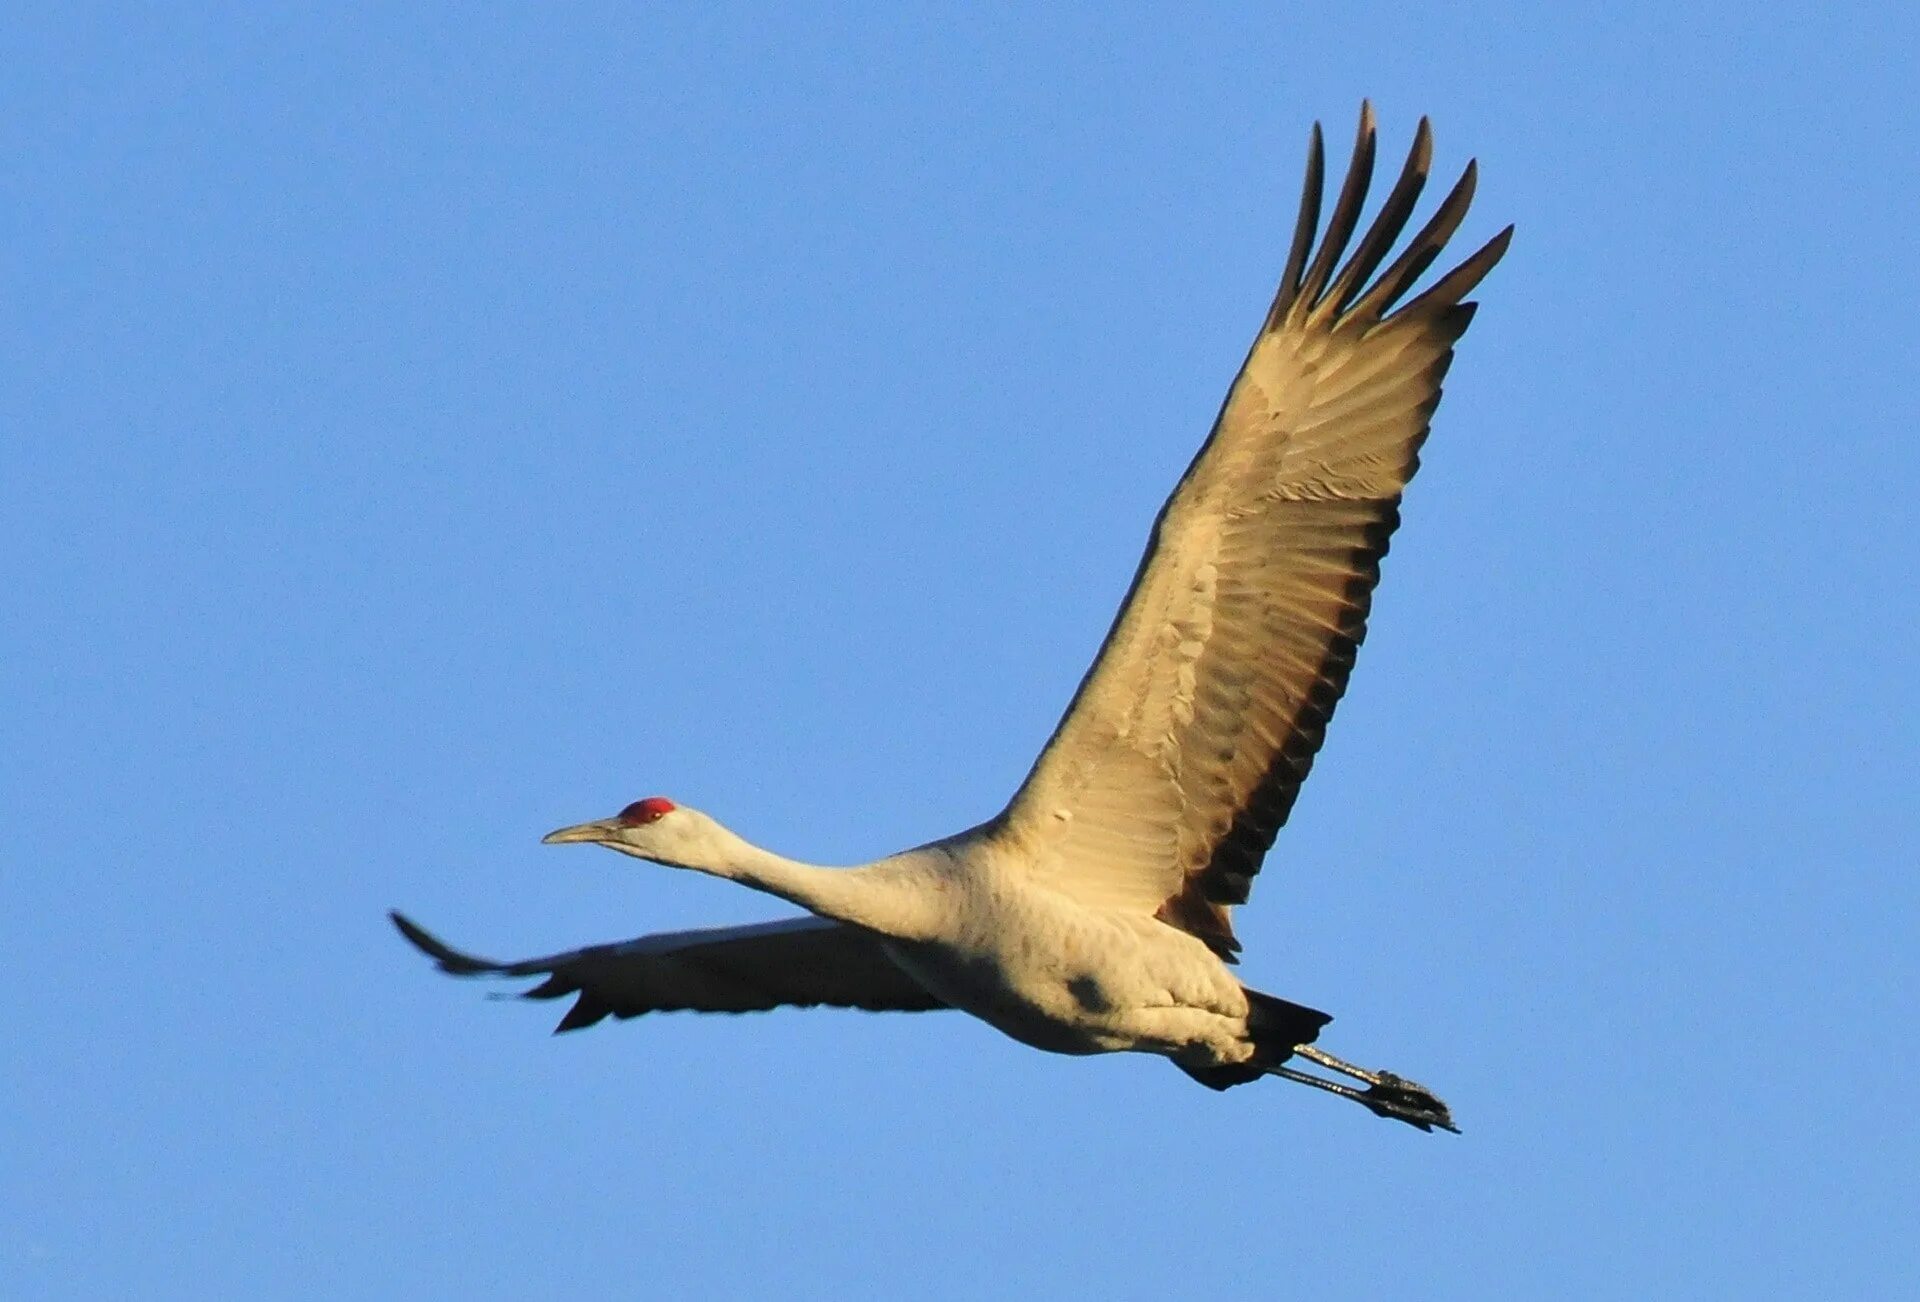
(800, 963)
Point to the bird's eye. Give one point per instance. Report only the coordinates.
(642, 812)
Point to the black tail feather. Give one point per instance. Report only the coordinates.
(1281, 1026)
(1278, 1027)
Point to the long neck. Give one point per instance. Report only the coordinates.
(900, 897)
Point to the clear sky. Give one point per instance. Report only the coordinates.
(422, 426)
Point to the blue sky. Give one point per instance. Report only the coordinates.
(419, 430)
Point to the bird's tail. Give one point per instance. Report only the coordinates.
(1278, 1027)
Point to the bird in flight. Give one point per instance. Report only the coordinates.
(1094, 913)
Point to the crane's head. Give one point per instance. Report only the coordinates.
(654, 828)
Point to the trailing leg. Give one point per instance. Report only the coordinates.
(1386, 1095)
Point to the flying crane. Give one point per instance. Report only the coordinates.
(1094, 913)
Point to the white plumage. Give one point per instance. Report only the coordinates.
(1093, 914)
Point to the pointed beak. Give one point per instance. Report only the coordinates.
(597, 831)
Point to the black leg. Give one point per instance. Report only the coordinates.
(1386, 1095)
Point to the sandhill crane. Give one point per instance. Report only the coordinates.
(1092, 914)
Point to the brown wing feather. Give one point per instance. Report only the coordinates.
(800, 963)
(1187, 742)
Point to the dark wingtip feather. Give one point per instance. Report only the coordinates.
(585, 1012)
(1346, 212)
(1451, 288)
(447, 958)
(1388, 223)
(554, 987)
(1422, 250)
(1306, 225)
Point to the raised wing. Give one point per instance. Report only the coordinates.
(1187, 741)
(801, 963)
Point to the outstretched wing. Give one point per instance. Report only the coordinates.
(801, 963)
(1184, 747)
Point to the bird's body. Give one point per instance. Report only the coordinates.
(1060, 976)
(1093, 914)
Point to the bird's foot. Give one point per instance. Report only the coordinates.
(1408, 1101)
(1386, 1095)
